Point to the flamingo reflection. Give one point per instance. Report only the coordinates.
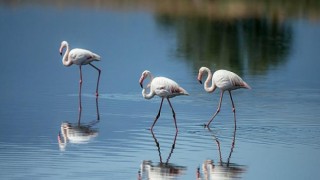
(162, 170)
(78, 133)
(221, 170)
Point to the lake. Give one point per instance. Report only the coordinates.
(274, 47)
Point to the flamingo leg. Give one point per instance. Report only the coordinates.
(80, 87)
(174, 115)
(218, 109)
(233, 110)
(155, 120)
(99, 71)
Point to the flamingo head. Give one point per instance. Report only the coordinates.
(63, 45)
(201, 70)
(144, 75)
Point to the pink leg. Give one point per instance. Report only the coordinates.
(218, 110)
(157, 115)
(174, 115)
(99, 71)
(233, 110)
(80, 87)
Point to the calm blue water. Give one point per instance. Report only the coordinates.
(278, 126)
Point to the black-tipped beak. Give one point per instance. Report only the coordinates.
(200, 81)
(60, 53)
(141, 85)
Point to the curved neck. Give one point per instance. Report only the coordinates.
(147, 95)
(207, 86)
(65, 60)
(144, 90)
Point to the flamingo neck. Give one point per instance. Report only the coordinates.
(209, 79)
(144, 90)
(147, 95)
(65, 60)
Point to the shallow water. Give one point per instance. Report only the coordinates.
(278, 127)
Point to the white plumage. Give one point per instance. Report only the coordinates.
(227, 80)
(82, 56)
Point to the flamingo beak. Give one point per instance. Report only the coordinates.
(141, 81)
(199, 78)
(60, 50)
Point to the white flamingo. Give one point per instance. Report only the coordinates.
(79, 57)
(225, 81)
(162, 87)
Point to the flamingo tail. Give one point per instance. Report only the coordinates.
(245, 85)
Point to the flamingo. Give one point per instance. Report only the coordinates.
(162, 87)
(79, 57)
(225, 81)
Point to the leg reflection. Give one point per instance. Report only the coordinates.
(78, 133)
(159, 150)
(161, 170)
(222, 169)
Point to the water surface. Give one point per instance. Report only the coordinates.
(278, 128)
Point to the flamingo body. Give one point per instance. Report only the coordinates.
(166, 88)
(227, 80)
(224, 80)
(162, 87)
(82, 56)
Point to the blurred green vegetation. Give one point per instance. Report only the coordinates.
(217, 9)
(240, 35)
(252, 44)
